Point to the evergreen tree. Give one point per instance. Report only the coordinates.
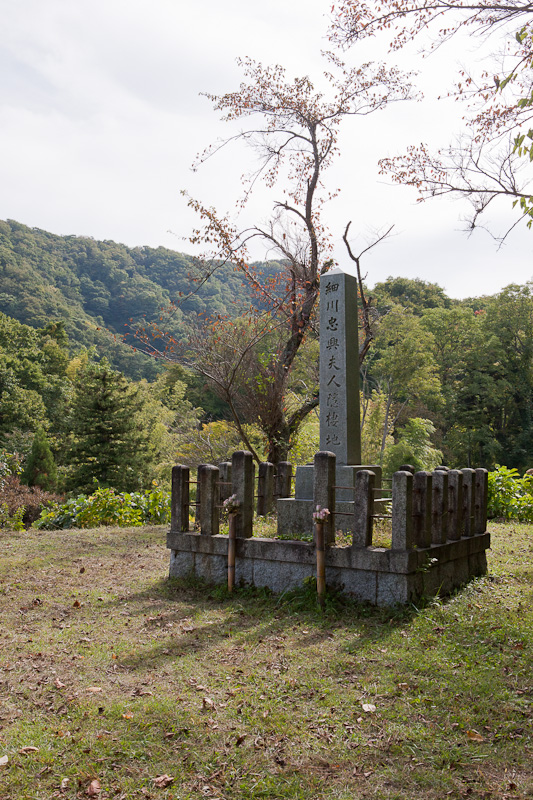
(111, 443)
(41, 468)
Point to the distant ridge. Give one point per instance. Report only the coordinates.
(97, 287)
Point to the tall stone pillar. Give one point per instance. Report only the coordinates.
(339, 368)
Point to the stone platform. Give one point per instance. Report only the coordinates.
(376, 575)
(295, 514)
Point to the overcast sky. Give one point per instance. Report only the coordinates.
(101, 118)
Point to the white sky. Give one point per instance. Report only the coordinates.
(101, 118)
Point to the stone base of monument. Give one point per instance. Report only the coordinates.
(295, 514)
(376, 575)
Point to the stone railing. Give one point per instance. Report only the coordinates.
(438, 524)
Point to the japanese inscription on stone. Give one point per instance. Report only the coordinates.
(339, 367)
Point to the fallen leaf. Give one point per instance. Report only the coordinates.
(28, 749)
(94, 689)
(162, 781)
(76, 604)
(208, 704)
(59, 684)
(3, 760)
(240, 739)
(369, 708)
(403, 686)
(64, 783)
(474, 736)
(93, 789)
(82, 570)
(127, 716)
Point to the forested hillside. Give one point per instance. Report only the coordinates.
(103, 289)
(443, 379)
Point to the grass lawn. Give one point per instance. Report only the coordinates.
(117, 683)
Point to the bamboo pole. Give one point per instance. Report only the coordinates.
(231, 551)
(320, 562)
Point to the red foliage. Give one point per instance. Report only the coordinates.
(16, 494)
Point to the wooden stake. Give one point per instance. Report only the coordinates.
(320, 562)
(231, 551)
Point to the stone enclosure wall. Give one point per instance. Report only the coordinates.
(439, 537)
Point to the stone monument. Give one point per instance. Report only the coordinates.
(340, 430)
(339, 368)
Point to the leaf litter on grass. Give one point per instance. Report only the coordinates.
(357, 702)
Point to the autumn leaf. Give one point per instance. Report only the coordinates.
(4, 760)
(207, 704)
(369, 708)
(162, 781)
(28, 749)
(474, 736)
(94, 689)
(59, 684)
(93, 789)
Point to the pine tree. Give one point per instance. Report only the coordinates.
(111, 444)
(41, 468)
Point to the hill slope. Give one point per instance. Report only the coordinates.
(97, 288)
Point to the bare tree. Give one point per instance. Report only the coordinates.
(295, 141)
(493, 161)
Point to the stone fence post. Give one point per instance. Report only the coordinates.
(422, 497)
(468, 501)
(265, 489)
(402, 511)
(481, 481)
(363, 507)
(243, 472)
(208, 509)
(225, 480)
(179, 503)
(283, 485)
(455, 504)
(324, 490)
(439, 514)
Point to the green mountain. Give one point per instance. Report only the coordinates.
(104, 290)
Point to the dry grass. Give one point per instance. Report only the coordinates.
(117, 676)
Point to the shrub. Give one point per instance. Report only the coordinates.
(20, 502)
(14, 522)
(510, 496)
(108, 507)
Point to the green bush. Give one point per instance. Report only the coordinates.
(14, 522)
(108, 507)
(510, 496)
